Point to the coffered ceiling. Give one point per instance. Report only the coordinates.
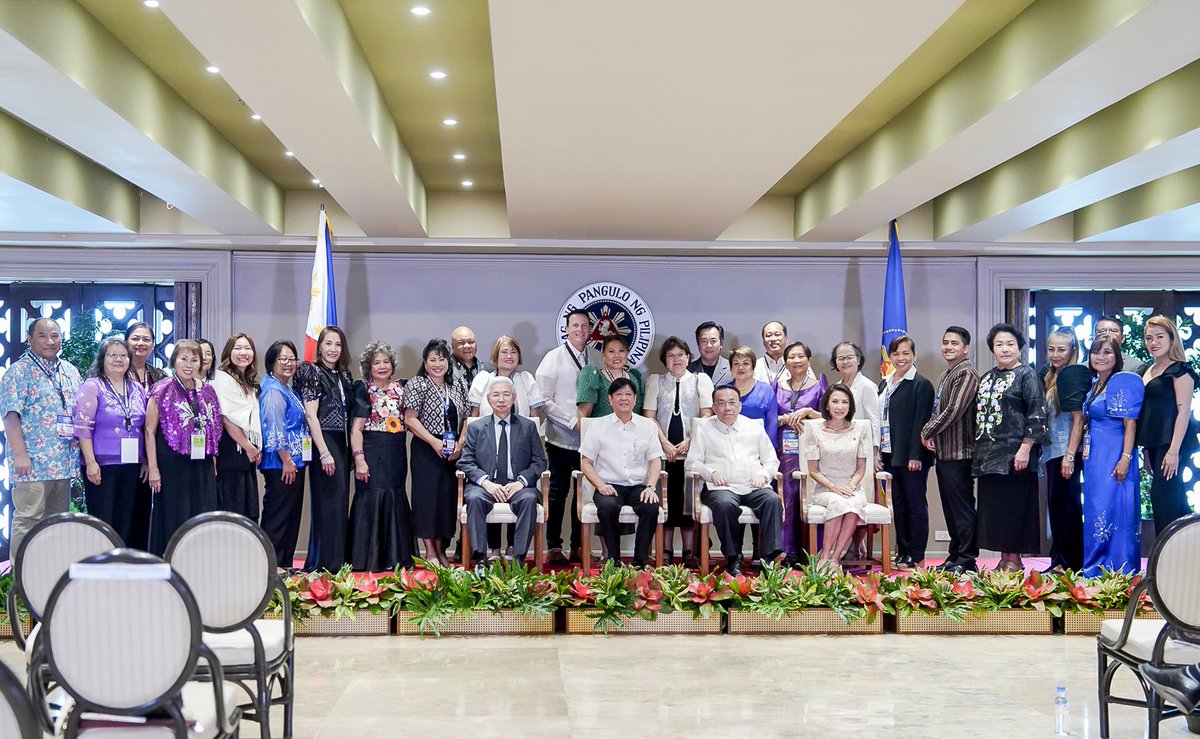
(973, 121)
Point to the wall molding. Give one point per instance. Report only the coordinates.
(212, 269)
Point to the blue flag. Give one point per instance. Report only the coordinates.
(895, 317)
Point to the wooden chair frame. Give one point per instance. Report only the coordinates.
(539, 528)
(704, 542)
(586, 530)
(883, 497)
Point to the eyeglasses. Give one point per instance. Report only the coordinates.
(122, 355)
(727, 403)
(286, 360)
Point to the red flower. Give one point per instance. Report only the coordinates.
(701, 591)
(369, 584)
(919, 597)
(1037, 588)
(318, 591)
(1083, 594)
(581, 593)
(648, 595)
(964, 588)
(418, 579)
(1144, 598)
(866, 592)
(741, 585)
(542, 588)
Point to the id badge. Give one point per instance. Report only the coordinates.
(64, 425)
(448, 440)
(885, 438)
(306, 449)
(791, 441)
(197, 446)
(129, 451)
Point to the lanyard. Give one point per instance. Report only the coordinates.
(578, 365)
(53, 373)
(123, 402)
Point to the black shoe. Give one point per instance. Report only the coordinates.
(1179, 685)
(734, 567)
(903, 562)
(774, 558)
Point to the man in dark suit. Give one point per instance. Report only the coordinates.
(503, 459)
(710, 342)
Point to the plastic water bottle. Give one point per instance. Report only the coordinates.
(1062, 712)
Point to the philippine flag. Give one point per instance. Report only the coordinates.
(322, 303)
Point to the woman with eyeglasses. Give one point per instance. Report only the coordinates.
(287, 449)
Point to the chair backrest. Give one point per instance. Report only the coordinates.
(585, 490)
(17, 717)
(122, 633)
(228, 564)
(1172, 573)
(52, 546)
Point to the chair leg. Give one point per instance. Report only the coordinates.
(539, 541)
(885, 550)
(658, 546)
(812, 541)
(585, 540)
(289, 696)
(702, 544)
(264, 705)
(1102, 689)
(465, 540)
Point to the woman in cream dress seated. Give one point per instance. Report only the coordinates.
(837, 449)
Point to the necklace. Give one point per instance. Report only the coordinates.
(609, 374)
(829, 425)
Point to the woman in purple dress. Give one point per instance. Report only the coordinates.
(797, 397)
(183, 427)
(110, 419)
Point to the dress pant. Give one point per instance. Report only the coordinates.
(281, 509)
(561, 462)
(957, 490)
(911, 509)
(727, 506)
(480, 503)
(1064, 500)
(33, 502)
(1167, 497)
(608, 510)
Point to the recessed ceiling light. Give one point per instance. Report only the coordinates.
(438, 74)
(460, 156)
(421, 10)
(315, 181)
(289, 153)
(468, 183)
(150, 3)
(255, 117)
(212, 69)
(449, 121)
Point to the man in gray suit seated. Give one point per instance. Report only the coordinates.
(503, 459)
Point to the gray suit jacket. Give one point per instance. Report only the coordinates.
(721, 374)
(526, 455)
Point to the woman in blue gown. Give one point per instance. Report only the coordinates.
(1111, 508)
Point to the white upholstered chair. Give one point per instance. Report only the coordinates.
(229, 565)
(503, 513)
(1173, 582)
(588, 517)
(18, 719)
(875, 488)
(703, 517)
(122, 637)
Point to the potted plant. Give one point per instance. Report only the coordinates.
(812, 600)
(990, 602)
(344, 604)
(1096, 599)
(505, 598)
(630, 600)
(6, 624)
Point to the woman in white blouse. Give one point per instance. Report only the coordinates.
(675, 400)
(240, 448)
(506, 355)
(847, 360)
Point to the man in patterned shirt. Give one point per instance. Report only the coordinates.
(37, 398)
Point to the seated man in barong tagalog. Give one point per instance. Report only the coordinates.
(737, 462)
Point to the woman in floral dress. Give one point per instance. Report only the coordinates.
(1010, 426)
(381, 533)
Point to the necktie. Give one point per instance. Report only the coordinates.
(675, 411)
(502, 453)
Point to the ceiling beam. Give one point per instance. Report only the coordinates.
(1148, 135)
(1056, 64)
(48, 187)
(1163, 210)
(298, 65)
(65, 75)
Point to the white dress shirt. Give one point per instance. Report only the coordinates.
(771, 371)
(556, 376)
(496, 428)
(621, 452)
(529, 394)
(739, 452)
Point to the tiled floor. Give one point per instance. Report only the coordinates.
(694, 686)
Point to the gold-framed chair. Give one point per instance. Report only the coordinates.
(589, 518)
(876, 487)
(503, 513)
(703, 516)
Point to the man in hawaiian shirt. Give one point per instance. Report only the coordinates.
(37, 397)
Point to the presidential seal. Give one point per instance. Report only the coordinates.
(614, 310)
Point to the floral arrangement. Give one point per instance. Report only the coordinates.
(780, 590)
(339, 595)
(1110, 591)
(431, 596)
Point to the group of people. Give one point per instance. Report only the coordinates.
(154, 449)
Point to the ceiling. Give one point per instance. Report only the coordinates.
(972, 121)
